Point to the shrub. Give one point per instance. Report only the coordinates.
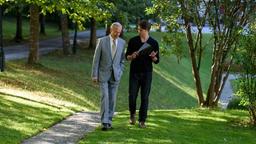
(247, 84)
(235, 103)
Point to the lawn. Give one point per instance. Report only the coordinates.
(21, 118)
(179, 126)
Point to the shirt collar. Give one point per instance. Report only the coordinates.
(111, 39)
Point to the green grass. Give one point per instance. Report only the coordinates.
(60, 81)
(21, 118)
(180, 126)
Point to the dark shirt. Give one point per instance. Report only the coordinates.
(143, 63)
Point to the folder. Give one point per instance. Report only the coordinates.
(145, 49)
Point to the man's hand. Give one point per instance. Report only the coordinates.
(153, 56)
(133, 56)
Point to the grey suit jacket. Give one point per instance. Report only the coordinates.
(103, 64)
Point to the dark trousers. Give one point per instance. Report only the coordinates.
(140, 81)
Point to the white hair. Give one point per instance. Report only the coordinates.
(115, 24)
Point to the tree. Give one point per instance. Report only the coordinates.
(74, 47)
(97, 11)
(65, 34)
(18, 36)
(92, 43)
(42, 24)
(18, 7)
(2, 59)
(80, 11)
(129, 12)
(34, 34)
(227, 28)
(76, 10)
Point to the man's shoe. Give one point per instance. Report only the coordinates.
(132, 120)
(142, 124)
(110, 126)
(104, 127)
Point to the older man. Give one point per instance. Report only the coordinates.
(107, 69)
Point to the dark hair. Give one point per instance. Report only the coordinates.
(144, 24)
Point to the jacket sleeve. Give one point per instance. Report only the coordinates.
(96, 59)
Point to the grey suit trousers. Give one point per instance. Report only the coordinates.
(108, 91)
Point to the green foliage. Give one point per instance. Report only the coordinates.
(227, 20)
(235, 103)
(246, 57)
(173, 43)
(77, 10)
(128, 12)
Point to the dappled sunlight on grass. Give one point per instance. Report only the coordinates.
(56, 84)
(180, 126)
(21, 118)
(39, 97)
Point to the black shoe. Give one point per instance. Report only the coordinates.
(110, 126)
(132, 119)
(104, 127)
(142, 124)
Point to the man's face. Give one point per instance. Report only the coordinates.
(115, 32)
(142, 32)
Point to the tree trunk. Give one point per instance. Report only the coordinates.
(34, 34)
(2, 56)
(65, 34)
(193, 53)
(194, 65)
(75, 40)
(18, 36)
(93, 37)
(252, 112)
(42, 24)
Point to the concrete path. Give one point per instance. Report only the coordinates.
(69, 131)
(227, 92)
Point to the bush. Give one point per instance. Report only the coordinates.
(247, 83)
(235, 104)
